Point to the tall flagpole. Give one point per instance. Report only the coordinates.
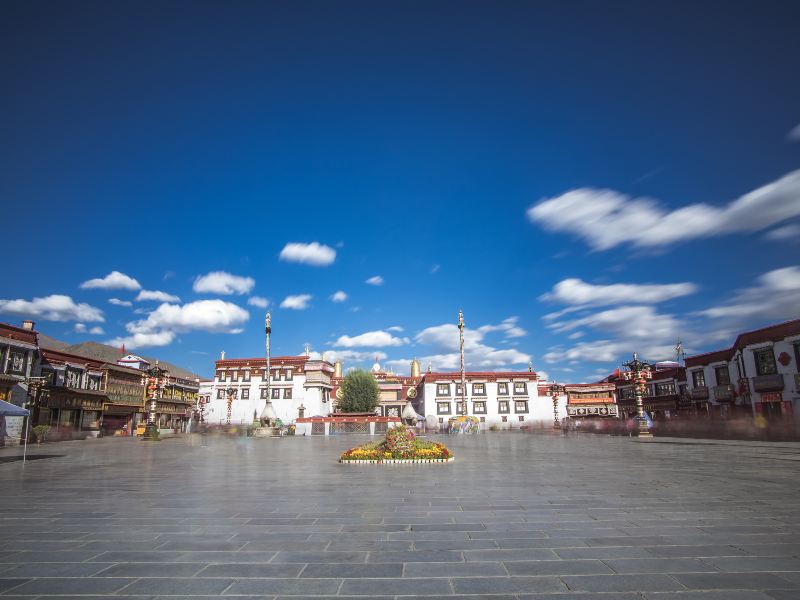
(463, 376)
(268, 414)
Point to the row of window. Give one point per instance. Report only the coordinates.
(73, 378)
(479, 389)
(275, 394)
(479, 407)
(722, 375)
(504, 419)
(234, 375)
(14, 361)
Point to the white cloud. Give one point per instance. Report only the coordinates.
(97, 330)
(113, 281)
(258, 301)
(606, 218)
(55, 307)
(144, 340)
(370, 339)
(576, 291)
(339, 296)
(787, 232)
(794, 134)
(80, 328)
(161, 325)
(632, 322)
(118, 302)
(157, 296)
(777, 296)
(296, 302)
(376, 280)
(314, 254)
(396, 329)
(576, 335)
(221, 282)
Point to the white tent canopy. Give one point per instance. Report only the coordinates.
(12, 410)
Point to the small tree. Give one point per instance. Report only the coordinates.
(360, 393)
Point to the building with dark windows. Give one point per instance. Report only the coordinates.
(758, 374)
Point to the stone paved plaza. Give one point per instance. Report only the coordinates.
(515, 516)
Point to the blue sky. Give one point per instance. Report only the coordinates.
(535, 164)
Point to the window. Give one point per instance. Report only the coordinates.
(246, 376)
(72, 378)
(221, 375)
(627, 393)
(276, 393)
(502, 389)
(458, 390)
(665, 389)
(699, 378)
(246, 394)
(287, 393)
(220, 394)
(483, 419)
(521, 406)
(263, 393)
(276, 375)
(443, 389)
(478, 389)
(461, 408)
(504, 419)
(520, 387)
(443, 408)
(723, 375)
(765, 361)
(94, 382)
(16, 362)
(502, 406)
(234, 376)
(441, 420)
(49, 376)
(288, 375)
(521, 418)
(479, 408)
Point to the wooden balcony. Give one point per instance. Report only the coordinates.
(768, 383)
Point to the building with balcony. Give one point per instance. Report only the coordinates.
(19, 360)
(758, 372)
(591, 400)
(664, 398)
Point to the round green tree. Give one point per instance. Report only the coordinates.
(360, 393)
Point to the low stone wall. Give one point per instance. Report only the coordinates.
(345, 424)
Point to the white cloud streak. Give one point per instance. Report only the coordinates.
(55, 307)
(314, 254)
(113, 281)
(376, 280)
(297, 302)
(339, 296)
(606, 218)
(370, 339)
(576, 291)
(157, 296)
(258, 301)
(221, 282)
(118, 302)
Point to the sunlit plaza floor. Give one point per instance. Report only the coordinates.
(515, 516)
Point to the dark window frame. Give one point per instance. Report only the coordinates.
(439, 410)
(727, 372)
(502, 388)
(520, 412)
(276, 393)
(771, 364)
(476, 404)
(246, 393)
(439, 387)
(524, 388)
(246, 376)
(500, 404)
(287, 394)
(477, 393)
(699, 378)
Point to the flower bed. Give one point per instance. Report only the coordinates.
(400, 446)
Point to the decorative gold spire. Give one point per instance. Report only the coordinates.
(415, 367)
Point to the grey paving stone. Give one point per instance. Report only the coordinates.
(743, 581)
(661, 565)
(320, 557)
(454, 569)
(557, 567)
(170, 586)
(415, 556)
(238, 570)
(410, 586)
(52, 569)
(710, 595)
(353, 570)
(284, 586)
(141, 569)
(506, 585)
(603, 553)
(77, 585)
(621, 583)
(755, 563)
(11, 583)
(509, 555)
